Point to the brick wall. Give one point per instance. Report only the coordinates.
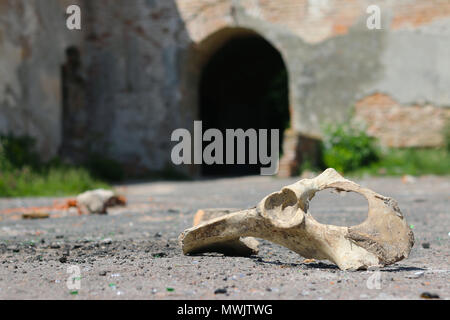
(402, 126)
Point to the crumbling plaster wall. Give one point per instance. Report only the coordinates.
(133, 58)
(142, 60)
(33, 37)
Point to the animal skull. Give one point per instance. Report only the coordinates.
(282, 217)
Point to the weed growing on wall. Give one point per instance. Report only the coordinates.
(347, 147)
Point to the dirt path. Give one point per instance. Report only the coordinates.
(132, 253)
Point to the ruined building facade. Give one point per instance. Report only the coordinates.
(133, 73)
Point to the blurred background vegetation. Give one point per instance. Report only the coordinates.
(345, 147)
(350, 150)
(23, 173)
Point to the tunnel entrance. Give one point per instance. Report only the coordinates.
(244, 85)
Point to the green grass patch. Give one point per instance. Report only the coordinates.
(48, 181)
(395, 162)
(22, 173)
(347, 148)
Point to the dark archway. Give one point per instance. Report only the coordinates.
(244, 85)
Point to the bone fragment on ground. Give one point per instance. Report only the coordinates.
(283, 218)
(242, 246)
(98, 200)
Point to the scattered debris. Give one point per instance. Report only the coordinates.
(428, 295)
(159, 255)
(98, 200)
(381, 240)
(106, 241)
(94, 201)
(309, 260)
(35, 215)
(407, 179)
(14, 248)
(220, 291)
(31, 210)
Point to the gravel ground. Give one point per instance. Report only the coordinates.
(133, 253)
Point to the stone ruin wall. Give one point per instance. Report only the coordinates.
(32, 44)
(141, 62)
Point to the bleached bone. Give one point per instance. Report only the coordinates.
(98, 200)
(244, 246)
(283, 218)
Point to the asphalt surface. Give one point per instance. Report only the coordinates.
(133, 252)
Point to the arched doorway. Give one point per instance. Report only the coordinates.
(243, 85)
